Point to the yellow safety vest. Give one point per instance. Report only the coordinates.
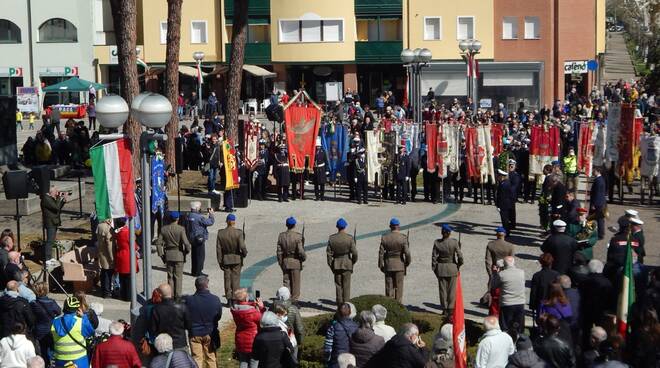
(65, 347)
(570, 164)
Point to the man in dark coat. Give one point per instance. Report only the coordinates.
(561, 246)
(320, 171)
(205, 311)
(360, 177)
(14, 309)
(282, 176)
(404, 350)
(271, 345)
(597, 296)
(504, 201)
(516, 183)
(552, 349)
(170, 318)
(261, 169)
(598, 201)
(541, 281)
(402, 175)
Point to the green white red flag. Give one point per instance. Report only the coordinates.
(627, 294)
(458, 328)
(114, 190)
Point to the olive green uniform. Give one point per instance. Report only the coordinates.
(393, 259)
(445, 261)
(495, 250)
(290, 257)
(342, 255)
(230, 250)
(172, 247)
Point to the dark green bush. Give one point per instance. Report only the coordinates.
(397, 314)
(312, 349)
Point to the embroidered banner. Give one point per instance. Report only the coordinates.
(302, 127)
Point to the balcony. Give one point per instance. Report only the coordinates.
(378, 52)
(378, 7)
(255, 8)
(255, 53)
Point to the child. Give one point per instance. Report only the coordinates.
(32, 117)
(19, 119)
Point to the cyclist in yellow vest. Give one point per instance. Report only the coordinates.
(70, 332)
(571, 170)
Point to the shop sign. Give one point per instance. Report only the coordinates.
(575, 67)
(59, 71)
(11, 72)
(113, 54)
(486, 103)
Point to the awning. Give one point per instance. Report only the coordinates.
(190, 71)
(258, 71)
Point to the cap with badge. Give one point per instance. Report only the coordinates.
(174, 215)
(500, 230)
(631, 212)
(502, 172)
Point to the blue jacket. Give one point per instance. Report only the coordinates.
(205, 310)
(597, 194)
(197, 225)
(44, 310)
(343, 330)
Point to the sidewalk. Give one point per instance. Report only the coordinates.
(617, 64)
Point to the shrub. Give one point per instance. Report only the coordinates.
(397, 314)
(317, 325)
(311, 351)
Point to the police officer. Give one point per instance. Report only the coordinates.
(350, 162)
(497, 249)
(445, 262)
(516, 182)
(402, 175)
(320, 171)
(282, 173)
(504, 199)
(230, 250)
(197, 233)
(360, 177)
(571, 169)
(172, 247)
(290, 256)
(342, 256)
(261, 171)
(393, 259)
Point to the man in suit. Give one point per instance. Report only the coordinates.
(393, 259)
(342, 255)
(504, 200)
(445, 262)
(598, 204)
(230, 250)
(290, 256)
(561, 246)
(172, 247)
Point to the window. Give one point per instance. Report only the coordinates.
(379, 29)
(198, 31)
(510, 28)
(532, 30)
(57, 30)
(465, 28)
(432, 28)
(163, 32)
(327, 30)
(9, 32)
(258, 33)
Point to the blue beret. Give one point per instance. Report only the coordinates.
(500, 229)
(291, 221)
(231, 217)
(394, 222)
(341, 223)
(174, 215)
(446, 227)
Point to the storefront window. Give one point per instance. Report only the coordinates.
(510, 88)
(9, 32)
(58, 30)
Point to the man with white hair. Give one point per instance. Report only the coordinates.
(197, 233)
(589, 356)
(346, 360)
(36, 362)
(561, 246)
(597, 296)
(495, 346)
(380, 328)
(511, 281)
(294, 320)
(405, 349)
(116, 351)
(166, 353)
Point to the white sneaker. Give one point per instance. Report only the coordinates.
(215, 191)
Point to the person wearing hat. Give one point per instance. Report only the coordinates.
(230, 249)
(571, 169)
(342, 255)
(497, 249)
(516, 183)
(393, 259)
(624, 220)
(360, 177)
(70, 332)
(568, 212)
(598, 200)
(197, 232)
(561, 246)
(172, 246)
(351, 157)
(321, 171)
(281, 173)
(402, 167)
(260, 170)
(447, 258)
(585, 231)
(290, 256)
(504, 199)
(617, 249)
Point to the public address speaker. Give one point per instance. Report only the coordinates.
(40, 176)
(15, 183)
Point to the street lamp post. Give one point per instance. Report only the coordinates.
(414, 61)
(199, 56)
(469, 50)
(154, 112)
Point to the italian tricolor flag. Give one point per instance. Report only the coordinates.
(627, 296)
(112, 167)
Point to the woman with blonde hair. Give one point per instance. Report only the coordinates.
(45, 310)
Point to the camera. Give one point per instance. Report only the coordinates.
(65, 193)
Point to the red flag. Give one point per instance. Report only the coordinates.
(458, 328)
(472, 158)
(496, 135)
(431, 143)
(405, 91)
(585, 148)
(302, 127)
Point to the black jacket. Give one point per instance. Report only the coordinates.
(597, 295)
(555, 352)
(562, 247)
(271, 347)
(399, 352)
(364, 344)
(171, 318)
(45, 310)
(13, 310)
(540, 283)
(597, 194)
(205, 311)
(525, 359)
(504, 196)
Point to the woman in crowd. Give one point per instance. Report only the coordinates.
(45, 310)
(364, 342)
(272, 347)
(247, 315)
(123, 259)
(168, 357)
(91, 315)
(16, 349)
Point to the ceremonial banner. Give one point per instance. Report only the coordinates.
(627, 293)
(585, 148)
(334, 139)
(452, 133)
(599, 140)
(485, 153)
(650, 152)
(431, 146)
(441, 151)
(626, 143)
(543, 149)
(113, 180)
(613, 126)
(251, 150)
(473, 155)
(302, 127)
(458, 328)
(231, 166)
(496, 135)
(373, 149)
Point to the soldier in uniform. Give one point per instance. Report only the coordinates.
(230, 249)
(342, 255)
(360, 177)
(445, 261)
(282, 173)
(290, 256)
(504, 199)
(497, 249)
(172, 247)
(393, 259)
(261, 171)
(402, 178)
(320, 171)
(350, 162)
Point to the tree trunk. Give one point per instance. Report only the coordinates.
(172, 79)
(124, 16)
(238, 40)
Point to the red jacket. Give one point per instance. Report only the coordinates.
(123, 253)
(118, 352)
(246, 317)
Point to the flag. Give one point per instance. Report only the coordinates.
(627, 295)
(496, 135)
(112, 168)
(585, 151)
(473, 152)
(612, 137)
(302, 127)
(485, 153)
(200, 79)
(543, 148)
(431, 146)
(405, 91)
(252, 136)
(458, 328)
(334, 139)
(373, 149)
(231, 167)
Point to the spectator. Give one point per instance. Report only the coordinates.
(70, 332)
(45, 310)
(91, 315)
(364, 343)
(597, 296)
(511, 281)
(610, 354)
(282, 317)
(294, 320)
(205, 310)
(16, 349)
(380, 328)
(13, 268)
(495, 346)
(346, 360)
(197, 233)
(541, 281)
(14, 309)
(168, 356)
(271, 346)
(116, 351)
(573, 296)
(104, 323)
(442, 355)
(106, 255)
(51, 206)
(590, 355)
(645, 337)
(123, 258)
(552, 349)
(246, 316)
(36, 362)
(525, 357)
(405, 350)
(171, 318)
(561, 246)
(337, 339)
(557, 304)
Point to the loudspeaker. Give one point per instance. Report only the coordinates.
(16, 184)
(241, 196)
(40, 176)
(241, 135)
(178, 154)
(8, 150)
